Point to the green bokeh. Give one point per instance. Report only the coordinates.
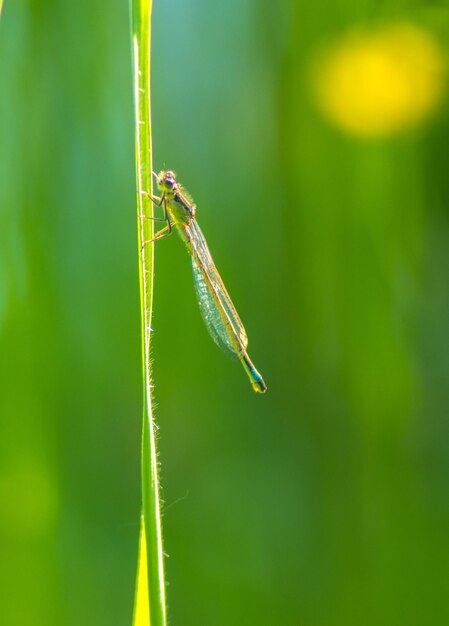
(323, 502)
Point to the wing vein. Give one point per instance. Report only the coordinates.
(217, 309)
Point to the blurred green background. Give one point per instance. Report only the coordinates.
(314, 138)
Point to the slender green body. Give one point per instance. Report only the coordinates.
(217, 309)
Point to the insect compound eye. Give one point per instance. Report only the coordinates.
(170, 178)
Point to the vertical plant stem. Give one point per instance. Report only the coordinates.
(151, 533)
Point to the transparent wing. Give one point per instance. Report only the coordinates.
(218, 312)
(210, 313)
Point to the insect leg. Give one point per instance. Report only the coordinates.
(157, 202)
(166, 231)
(154, 199)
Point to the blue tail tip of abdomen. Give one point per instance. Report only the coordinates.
(257, 381)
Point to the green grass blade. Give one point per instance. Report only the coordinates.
(151, 551)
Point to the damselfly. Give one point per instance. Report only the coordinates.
(218, 312)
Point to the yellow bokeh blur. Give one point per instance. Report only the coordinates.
(372, 84)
